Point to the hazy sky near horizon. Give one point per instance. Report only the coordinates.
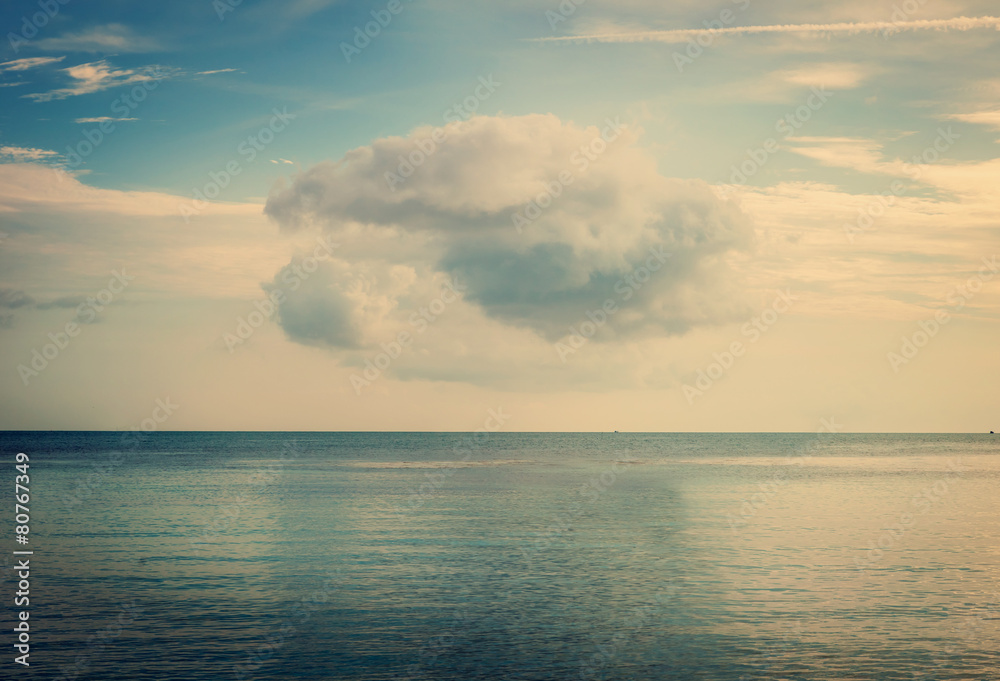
(400, 215)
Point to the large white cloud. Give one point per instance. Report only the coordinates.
(601, 212)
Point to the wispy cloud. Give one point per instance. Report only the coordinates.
(786, 85)
(29, 63)
(108, 38)
(97, 76)
(989, 118)
(685, 34)
(839, 76)
(12, 298)
(281, 14)
(209, 73)
(858, 154)
(103, 119)
(26, 155)
(62, 303)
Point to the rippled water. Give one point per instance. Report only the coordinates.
(520, 556)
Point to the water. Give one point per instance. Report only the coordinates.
(523, 556)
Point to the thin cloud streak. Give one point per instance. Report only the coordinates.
(103, 119)
(116, 38)
(28, 63)
(851, 28)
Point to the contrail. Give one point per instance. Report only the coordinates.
(685, 34)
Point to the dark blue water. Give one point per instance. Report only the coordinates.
(509, 556)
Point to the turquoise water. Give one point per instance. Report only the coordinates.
(518, 556)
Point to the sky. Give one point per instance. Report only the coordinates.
(420, 215)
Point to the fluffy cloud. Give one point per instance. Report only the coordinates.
(339, 304)
(541, 220)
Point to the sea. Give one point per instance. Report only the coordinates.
(520, 556)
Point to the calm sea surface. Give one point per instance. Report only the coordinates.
(510, 556)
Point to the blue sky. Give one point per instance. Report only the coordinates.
(257, 138)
